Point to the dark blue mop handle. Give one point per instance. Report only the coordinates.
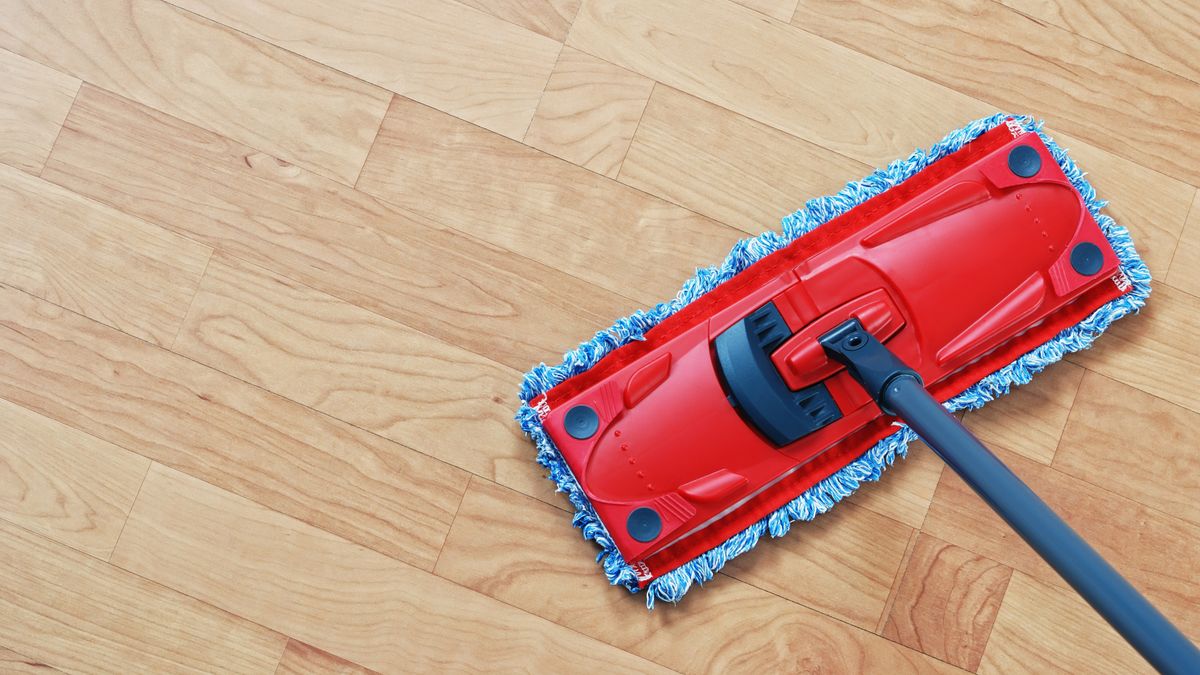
(899, 391)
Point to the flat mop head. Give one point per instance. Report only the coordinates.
(685, 432)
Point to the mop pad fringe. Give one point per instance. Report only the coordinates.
(869, 466)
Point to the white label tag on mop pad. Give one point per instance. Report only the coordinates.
(642, 570)
(542, 408)
(1014, 127)
(1123, 283)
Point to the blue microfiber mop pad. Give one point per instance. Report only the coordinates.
(870, 465)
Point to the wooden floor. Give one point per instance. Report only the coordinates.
(270, 271)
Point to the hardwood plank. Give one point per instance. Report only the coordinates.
(34, 101)
(1092, 91)
(356, 366)
(1158, 553)
(947, 602)
(537, 205)
(204, 73)
(727, 625)
(311, 229)
(739, 60)
(335, 595)
(726, 166)
(1135, 445)
(94, 260)
(847, 559)
(551, 18)
(1185, 267)
(776, 9)
(171, 409)
(1162, 32)
(302, 659)
(895, 589)
(445, 54)
(12, 663)
(73, 612)
(1031, 418)
(589, 111)
(1139, 350)
(904, 491)
(1043, 628)
(64, 484)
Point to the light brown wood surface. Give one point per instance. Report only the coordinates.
(77, 613)
(94, 260)
(64, 484)
(270, 272)
(1157, 32)
(455, 58)
(333, 594)
(946, 601)
(589, 112)
(16, 664)
(34, 100)
(971, 46)
(206, 73)
(302, 659)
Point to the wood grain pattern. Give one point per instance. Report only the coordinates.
(1185, 267)
(1140, 349)
(538, 205)
(726, 166)
(946, 602)
(747, 64)
(73, 612)
(1135, 445)
(847, 559)
(34, 101)
(729, 626)
(359, 367)
(353, 602)
(64, 484)
(311, 229)
(94, 260)
(588, 112)
(1162, 32)
(1043, 628)
(302, 659)
(896, 581)
(12, 663)
(776, 9)
(348, 481)
(551, 18)
(776, 74)
(1158, 553)
(1000, 56)
(204, 73)
(1030, 419)
(444, 54)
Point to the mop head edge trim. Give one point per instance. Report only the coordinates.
(869, 466)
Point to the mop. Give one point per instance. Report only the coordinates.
(776, 383)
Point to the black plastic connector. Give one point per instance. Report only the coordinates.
(758, 391)
(873, 365)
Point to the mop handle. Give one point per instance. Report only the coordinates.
(898, 391)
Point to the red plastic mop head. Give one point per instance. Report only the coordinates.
(727, 419)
